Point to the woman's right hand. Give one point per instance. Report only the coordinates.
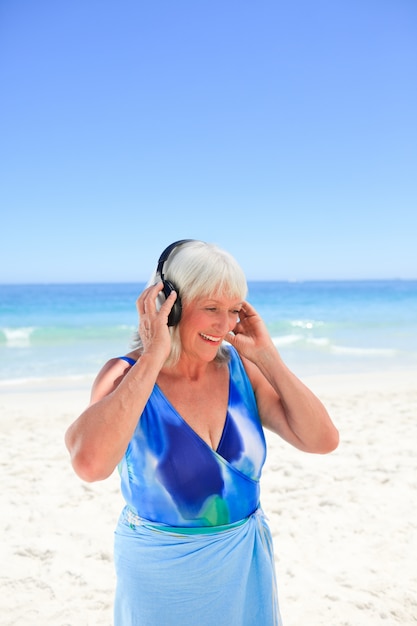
(153, 322)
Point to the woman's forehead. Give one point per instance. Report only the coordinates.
(220, 299)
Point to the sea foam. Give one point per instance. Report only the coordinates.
(19, 337)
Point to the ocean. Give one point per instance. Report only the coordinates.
(68, 331)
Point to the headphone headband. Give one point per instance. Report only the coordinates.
(165, 254)
(175, 313)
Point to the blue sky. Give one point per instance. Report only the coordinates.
(285, 131)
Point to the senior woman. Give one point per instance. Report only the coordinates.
(182, 416)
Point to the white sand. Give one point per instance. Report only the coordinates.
(344, 524)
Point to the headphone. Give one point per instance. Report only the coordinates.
(175, 313)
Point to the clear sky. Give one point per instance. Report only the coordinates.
(283, 130)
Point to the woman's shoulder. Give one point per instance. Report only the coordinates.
(240, 365)
(131, 360)
(112, 373)
(233, 355)
(120, 363)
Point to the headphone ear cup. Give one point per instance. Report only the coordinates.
(175, 313)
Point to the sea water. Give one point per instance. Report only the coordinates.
(319, 327)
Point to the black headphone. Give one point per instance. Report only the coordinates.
(175, 313)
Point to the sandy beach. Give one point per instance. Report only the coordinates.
(344, 525)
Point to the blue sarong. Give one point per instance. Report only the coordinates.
(212, 576)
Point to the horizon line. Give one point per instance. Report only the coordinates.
(249, 280)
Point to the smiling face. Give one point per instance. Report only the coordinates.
(205, 322)
(210, 281)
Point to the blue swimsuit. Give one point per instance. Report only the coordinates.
(171, 476)
(192, 545)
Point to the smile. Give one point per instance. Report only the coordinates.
(210, 338)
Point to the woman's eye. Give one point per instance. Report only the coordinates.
(214, 309)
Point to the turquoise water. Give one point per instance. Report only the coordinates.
(319, 327)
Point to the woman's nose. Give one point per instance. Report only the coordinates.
(224, 322)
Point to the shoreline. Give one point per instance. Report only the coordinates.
(343, 525)
(376, 379)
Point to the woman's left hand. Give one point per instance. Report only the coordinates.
(250, 334)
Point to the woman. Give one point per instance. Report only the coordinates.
(182, 415)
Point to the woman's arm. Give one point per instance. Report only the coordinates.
(289, 408)
(286, 405)
(98, 439)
